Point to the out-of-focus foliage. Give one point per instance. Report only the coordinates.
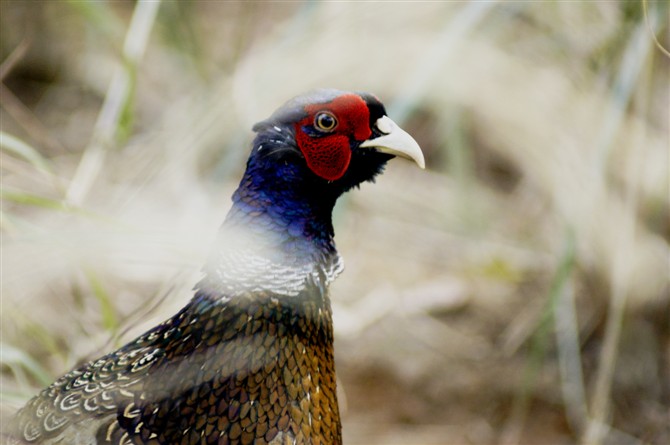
(516, 291)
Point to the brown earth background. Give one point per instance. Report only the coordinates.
(515, 292)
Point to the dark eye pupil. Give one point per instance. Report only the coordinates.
(325, 121)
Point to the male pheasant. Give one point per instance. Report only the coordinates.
(249, 360)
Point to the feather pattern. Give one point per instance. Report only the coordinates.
(252, 371)
(249, 360)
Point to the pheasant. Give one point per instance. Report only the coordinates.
(249, 360)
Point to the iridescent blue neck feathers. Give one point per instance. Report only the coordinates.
(278, 232)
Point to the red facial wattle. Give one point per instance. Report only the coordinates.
(328, 154)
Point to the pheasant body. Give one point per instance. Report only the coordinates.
(241, 371)
(249, 360)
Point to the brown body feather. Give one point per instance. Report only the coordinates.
(255, 370)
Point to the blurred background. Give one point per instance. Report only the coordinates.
(514, 292)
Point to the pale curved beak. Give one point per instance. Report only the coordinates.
(395, 141)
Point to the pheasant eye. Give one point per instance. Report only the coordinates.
(325, 121)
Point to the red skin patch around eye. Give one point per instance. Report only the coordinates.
(329, 156)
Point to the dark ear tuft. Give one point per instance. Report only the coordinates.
(262, 125)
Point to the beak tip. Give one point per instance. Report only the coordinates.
(397, 142)
(417, 157)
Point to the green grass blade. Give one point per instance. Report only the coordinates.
(13, 357)
(109, 319)
(33, 200)
(19, 148)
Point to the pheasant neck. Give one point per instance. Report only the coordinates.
(277, 235)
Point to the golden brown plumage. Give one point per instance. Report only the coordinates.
(249, 360)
